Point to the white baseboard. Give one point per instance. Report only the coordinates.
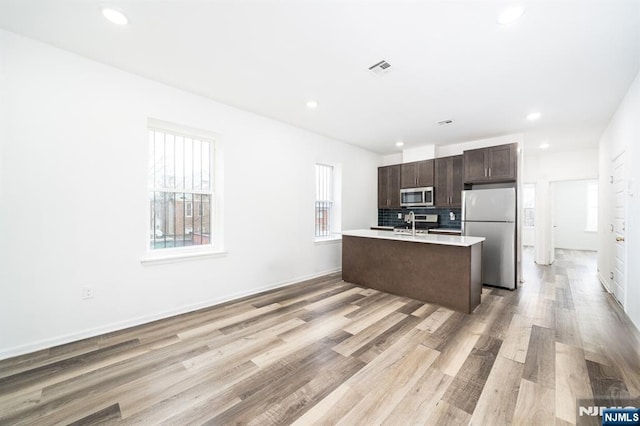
(603, 281)
(96, 331)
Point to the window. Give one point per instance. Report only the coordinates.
(592, 207)
(324, 200)
(529, 204)
(180, 178)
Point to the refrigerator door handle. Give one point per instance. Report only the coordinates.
(463, 202)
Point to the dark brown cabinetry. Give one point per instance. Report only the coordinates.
(448, 181)
(418, 174)
(493, 164)
(389, 187)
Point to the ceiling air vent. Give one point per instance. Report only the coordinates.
(380, 68)
(445, 122)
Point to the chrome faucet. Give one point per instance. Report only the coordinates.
(411, 218)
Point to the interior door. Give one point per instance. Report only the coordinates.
(619, 215)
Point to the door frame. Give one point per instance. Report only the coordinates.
(618, 230)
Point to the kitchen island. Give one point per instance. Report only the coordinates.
(441, 269)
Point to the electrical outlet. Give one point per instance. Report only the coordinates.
(399, 215)
(88, 292)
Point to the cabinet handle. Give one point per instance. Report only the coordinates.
(485, 172)
(489, 171)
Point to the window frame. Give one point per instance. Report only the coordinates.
(526, 186)
(215, 246)
(334, 202)
(326, 203)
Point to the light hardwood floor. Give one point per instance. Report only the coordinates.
(328, 352)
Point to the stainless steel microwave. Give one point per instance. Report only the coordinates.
(417, 197)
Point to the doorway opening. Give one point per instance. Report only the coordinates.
(574, 215)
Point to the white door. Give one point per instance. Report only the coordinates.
(619, 211)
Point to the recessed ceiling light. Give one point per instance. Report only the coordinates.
(312, 104)
(399, 143)
(511, 15)
(533, 116)
(544, 145)
(115, 16)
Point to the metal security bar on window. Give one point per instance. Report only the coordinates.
(324, 200)
(179, 181)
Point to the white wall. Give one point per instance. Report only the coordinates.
(570, 216)
(74, 199)
(459, 148)
(391, 159)
(558, 166)
(528, 236)
(425, 152)
(623, 135)
(541, 168)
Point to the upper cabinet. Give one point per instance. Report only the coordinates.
(415, 175)
(448, 181)
(492, 164)
(447, 175)
(389, 187)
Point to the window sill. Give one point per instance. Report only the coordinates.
(335, 238)
(180, 256)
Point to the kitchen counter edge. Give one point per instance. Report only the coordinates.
(447, 240)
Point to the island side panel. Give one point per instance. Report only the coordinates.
(476, 276)
(431, 273)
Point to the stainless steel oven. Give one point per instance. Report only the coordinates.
(417, 197)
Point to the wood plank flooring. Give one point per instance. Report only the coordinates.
(328, 352)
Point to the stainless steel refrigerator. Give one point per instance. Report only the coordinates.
(491, 213)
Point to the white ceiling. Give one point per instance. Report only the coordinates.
(571, 60)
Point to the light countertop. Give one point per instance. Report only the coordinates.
(447, 240)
